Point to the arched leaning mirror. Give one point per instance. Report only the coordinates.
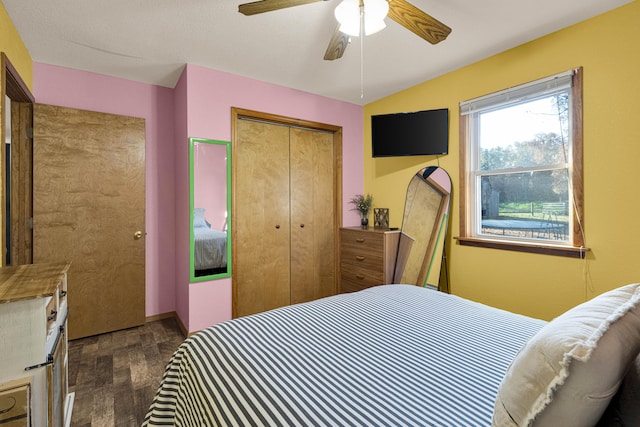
(424, 225)
(210, 204)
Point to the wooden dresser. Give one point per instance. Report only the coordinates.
(33, 338)
(367, 257)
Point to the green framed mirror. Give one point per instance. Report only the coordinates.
(210, 209)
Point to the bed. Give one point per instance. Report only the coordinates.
(391, 355)
(210, 248)
(209, 245)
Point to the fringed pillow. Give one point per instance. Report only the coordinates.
(568, 372)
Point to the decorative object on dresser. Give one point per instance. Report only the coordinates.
(362, 204)
(367, 257)
(33, 315)
(381, 218)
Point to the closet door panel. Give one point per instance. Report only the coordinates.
(262, 251)
(312, 215)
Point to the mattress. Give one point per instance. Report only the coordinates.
(393, 355)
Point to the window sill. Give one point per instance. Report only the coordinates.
(536, 248)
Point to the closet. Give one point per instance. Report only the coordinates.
(285, 212)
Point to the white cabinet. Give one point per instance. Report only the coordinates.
(33, 334)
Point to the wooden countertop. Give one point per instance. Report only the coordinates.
(30, 281)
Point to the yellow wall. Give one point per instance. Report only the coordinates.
(11, 44)
(542, 285)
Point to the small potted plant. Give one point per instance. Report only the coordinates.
(363, 205)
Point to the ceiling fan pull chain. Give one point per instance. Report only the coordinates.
(361, 49)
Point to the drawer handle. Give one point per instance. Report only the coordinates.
(11, 403)
(360, 240)
(359, 277)
(52, 316)
(359, 257)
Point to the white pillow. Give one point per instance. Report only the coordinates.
(198, 218)
(568, 372)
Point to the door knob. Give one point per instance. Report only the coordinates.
(277, 225)
(137, 235)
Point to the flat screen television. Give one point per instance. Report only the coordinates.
(419, 133)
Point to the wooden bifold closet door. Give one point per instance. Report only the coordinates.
(285, 216)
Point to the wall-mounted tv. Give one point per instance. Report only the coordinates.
(419, 133)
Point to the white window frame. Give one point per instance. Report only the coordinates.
(469, 167)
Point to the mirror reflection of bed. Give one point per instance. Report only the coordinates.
(210, 246)
(210, 251)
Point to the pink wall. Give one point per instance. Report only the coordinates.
(199, 106)
(210, 96)
(95, 92)
(180, 138)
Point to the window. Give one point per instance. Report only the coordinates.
(521, 177)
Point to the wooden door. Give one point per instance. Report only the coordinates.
(261, 213)
(312, 215)
(89, 199)
(21, 161)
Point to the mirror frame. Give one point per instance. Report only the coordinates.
(431, 264)
(192, 276)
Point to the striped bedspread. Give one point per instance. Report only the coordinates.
(394, 355)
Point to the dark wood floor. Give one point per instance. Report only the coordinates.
(115, 376)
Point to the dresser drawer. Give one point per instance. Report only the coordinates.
(361, 258)
(350, 286)
(367, 257)
(361, 249)
(355, 279)
(14, 406)
(357, 239)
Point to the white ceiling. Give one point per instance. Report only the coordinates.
(151, 40)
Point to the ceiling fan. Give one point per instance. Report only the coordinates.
(401, 11)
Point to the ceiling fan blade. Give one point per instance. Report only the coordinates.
(337, 45)
(269, 5)
(418, 22)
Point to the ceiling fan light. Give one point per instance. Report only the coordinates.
(376, 10)
(348, 15)
(372, 27)
(350, 29)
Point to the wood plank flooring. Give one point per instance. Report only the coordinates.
(115, 376)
